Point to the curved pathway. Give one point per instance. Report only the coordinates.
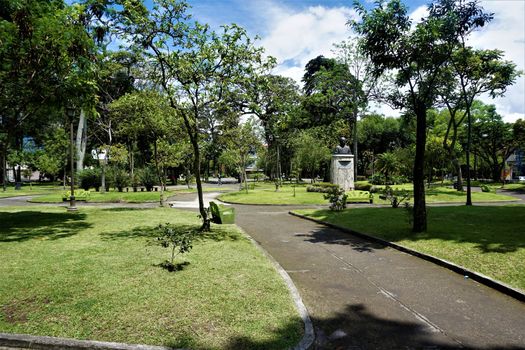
(365, 296)
(362, 295)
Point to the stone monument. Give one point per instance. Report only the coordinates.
(342, 169)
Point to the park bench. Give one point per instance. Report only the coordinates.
(221, 214)
(359, 197)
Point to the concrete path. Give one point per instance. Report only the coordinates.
(365, 296)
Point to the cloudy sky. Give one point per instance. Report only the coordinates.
(295, 31)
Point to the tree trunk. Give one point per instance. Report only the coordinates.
(197, 171)
(420, 210)
(355, 143)
(81, 140)
(4, 169)
(103, 177)
(469, 142)
(459, 185)
(160, 173)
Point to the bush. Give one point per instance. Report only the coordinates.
(148, 177)
(363, 186)
(395, 197)
(178, 238)
(89, 178)
(80, 195)
(360, 178)
(337, 198)
(398, 180)
(323, 187)
(120, 178)
(377, 179)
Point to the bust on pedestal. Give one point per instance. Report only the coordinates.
(342, 169)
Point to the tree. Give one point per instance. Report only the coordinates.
(387, 164)
(196, 67)
(350, 54)
(493, 138)
(147, 114)
(241, 143)
(478, 72)
(309, 153)
(418, 54)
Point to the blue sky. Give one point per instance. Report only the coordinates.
(295, 31)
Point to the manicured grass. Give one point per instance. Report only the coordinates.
(93, 275)
(490, 240)
(28, 190)
(265, 194)
(108, 197)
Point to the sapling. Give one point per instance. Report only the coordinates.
(179, 239)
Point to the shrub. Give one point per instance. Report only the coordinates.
(323, 187)
(120, 178)
(485, 188)
(148, 177)
(135, 181)
(80, 195)
(377, 179)
(363, 186)
(337, 198)
(398, 180)
(178, 238)
(360, 178)
(395, 197)
(89, 178)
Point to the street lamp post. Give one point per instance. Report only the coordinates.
(70, 111)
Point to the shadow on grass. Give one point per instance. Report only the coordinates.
(353, 327)
(26, 225)
(492, 229)
(218, 233)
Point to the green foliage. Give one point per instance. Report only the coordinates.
(80, 195)
(121, 178)
(322, 187)
(395, 197)
(337, 198)
(178, 238)
(89, 178)
(148, 177)
(310, 153)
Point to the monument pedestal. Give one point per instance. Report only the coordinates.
(342, 171)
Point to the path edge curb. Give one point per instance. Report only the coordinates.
(476, 276)
(25, 341)
(309, 334)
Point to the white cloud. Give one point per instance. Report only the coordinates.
(296, 36)
(506, 32)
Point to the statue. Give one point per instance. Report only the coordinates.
(342, 148)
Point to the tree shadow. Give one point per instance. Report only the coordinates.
(217, 233)
(26, 225)
(492, 229)
(354, 327)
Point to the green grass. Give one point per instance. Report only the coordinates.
(28, 190)
(108, 197)
(490, 240)
(265, 194)
(93, 275)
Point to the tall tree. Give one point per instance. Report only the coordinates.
(196, 67)
(418, 53)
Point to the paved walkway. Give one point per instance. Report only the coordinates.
(365, 296)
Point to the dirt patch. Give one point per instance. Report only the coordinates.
(16, 311)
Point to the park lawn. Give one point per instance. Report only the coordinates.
(92, 275)
(193, 189)
(490, 240)
(265, 194)
(28, 190)
(108, 197)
